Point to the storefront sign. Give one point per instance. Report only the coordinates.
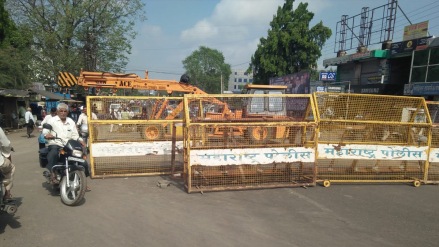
(426, 89)
(335, 89)
(407, 46)
(328, 76)
(368, 89)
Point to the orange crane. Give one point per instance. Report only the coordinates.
(115, 81)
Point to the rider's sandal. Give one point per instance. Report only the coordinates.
(87, 189)
(7, 197)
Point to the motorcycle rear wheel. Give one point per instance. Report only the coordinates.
(73, 194)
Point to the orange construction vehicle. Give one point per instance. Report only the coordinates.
(256, 107)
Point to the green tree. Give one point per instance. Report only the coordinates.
(206, 67)
(14, 53)
(291, 45)
(75, 34)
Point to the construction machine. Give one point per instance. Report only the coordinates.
(212, 108)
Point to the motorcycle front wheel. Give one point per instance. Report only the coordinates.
(72, 188)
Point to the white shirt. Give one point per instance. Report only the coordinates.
(27, 116)
(46, 119)
(83, 118)
(65, 131)
(5, 147)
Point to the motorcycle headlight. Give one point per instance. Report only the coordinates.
(77, 153)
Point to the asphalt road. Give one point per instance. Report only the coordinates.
(135, 212)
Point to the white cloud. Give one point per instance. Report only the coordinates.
(234, 28)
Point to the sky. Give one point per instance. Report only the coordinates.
(173, 29)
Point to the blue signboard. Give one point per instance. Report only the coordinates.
(327, 76)
(425, 89)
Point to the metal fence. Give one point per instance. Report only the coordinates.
(134, 136)
(433, 169)
(237, 142)
(371, 138)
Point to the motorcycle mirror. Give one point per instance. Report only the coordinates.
(47, 126)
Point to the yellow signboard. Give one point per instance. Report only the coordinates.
(416, 31)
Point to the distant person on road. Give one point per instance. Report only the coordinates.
(30, 121)
(114, 115)
(82, 124)
(41, 140)
(6, 166)
(82, 120)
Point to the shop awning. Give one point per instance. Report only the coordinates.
(14, 93)
(49, 95)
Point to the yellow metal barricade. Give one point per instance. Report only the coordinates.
(235, 142)
(433, 169)
(371, 138)
(135, 136)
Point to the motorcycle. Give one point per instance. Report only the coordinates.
(8, 206)
(69, 170)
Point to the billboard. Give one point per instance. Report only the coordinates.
(415, 31)
(297, 83)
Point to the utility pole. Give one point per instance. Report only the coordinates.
(222, 85)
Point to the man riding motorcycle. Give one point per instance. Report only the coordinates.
(63, 129)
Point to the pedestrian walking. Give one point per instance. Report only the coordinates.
(30, 122)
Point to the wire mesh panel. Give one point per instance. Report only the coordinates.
(135, 136)
(239, 142)
(371, 138)
(433, 171)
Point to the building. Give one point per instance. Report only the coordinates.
(424, 71)
(406, 67)
(409, 67)
(238, 79)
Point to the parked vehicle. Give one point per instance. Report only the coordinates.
(69, 171)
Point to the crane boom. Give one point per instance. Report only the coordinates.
(133, 81)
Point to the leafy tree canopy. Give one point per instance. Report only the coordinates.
(75, 34)
(206, 68)
(291, 45)
(14, 53)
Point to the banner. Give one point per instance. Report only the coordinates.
(297, 83)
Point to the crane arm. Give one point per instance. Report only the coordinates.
(133, 81)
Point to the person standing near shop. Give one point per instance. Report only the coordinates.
(30, 121)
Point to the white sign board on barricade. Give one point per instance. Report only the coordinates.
(109, 149)
(251, 156)
(371, 152)
(434, 155)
